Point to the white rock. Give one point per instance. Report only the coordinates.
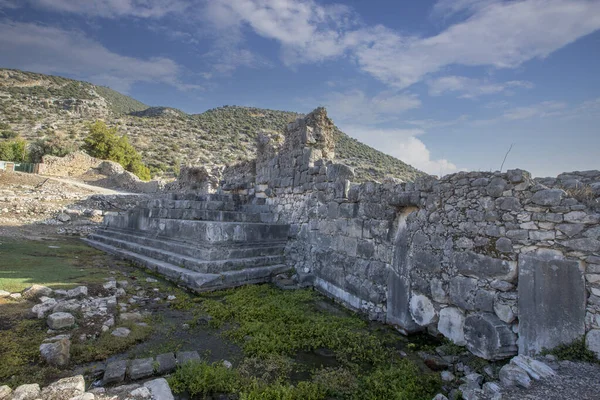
(5, 391)
(151, 280)
(37, 291)
(511, 375)
(85, 396)
(110, 285)
(64, 388)
(592, 341)
(535, 369)
(160, 390)
(40, 310)
(79, 291)
(452, 325)
(60, 320)
(447, 376)
(121, 332)
(4, 293)
(141, 393)
(422, 310)
(26, 392)
(227, 364)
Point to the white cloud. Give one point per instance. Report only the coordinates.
(356, 106)
(448, 8)
(501, 34)
(543, 109)
(51, 50)
(472, 87)
(402, 144)
(115, 8)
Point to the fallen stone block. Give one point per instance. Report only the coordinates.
(115, 372)
(36, 291)
(141, 368)
(64, 388)
(166, 363)
(60, 320)
(535, 369)
(57, 353)
(78, 292)
(488, 337)
(26, 392)
(187, 356)
(159, 388)
(512, 375)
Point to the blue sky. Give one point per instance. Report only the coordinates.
(444, 85)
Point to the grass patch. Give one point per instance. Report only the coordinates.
(26, 262)
(575, 351)
(20, 355)
(106, 344)
(273, 327)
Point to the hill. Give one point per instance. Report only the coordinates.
(57, 110)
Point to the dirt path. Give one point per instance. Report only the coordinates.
(96, 189)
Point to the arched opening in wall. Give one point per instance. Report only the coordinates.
(398, 296)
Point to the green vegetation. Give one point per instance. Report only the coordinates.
(104, 143)
(13, 150)
(57, 264)
(118, 103)
(275, 327)
(52, 144)
(20, 354)
(106, 345)
(575, 351)
(166, 137)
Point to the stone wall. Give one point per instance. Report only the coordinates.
(494, 261)
(73, 164)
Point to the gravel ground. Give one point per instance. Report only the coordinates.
(573, 381)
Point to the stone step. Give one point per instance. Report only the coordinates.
(206, 231)
(214, 205)
(206, 197)
(204, 215)
(199, 250)
(196, 281)
(203, 266)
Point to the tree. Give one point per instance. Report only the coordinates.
(104, 143)
(13, 150)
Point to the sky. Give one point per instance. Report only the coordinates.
(445, 85)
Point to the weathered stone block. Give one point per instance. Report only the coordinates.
(592, 341)
(488, 337)
(558, 285)
(60, 320)
(480, 266)
(141, 368)
(548, 197)
(452, 325)
(465, 293)
(115, 372)
(422, 310)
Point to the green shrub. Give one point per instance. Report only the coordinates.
(400, 381)
(280, 391)
(200, 378)
(104, 143)
(574, 351)
(52, 144)
(13, 150)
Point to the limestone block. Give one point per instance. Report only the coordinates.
(512, 375)
(480, 266)
(159, 388)
(452, 325)
(488, 337)
(60, 320)
(57, 353)
(115, 372)
(535, 369)
(141, 368)
(64, 388)
(26, 392)
(36, 291)
(466, 294)
(548, 197)
(558, 285)
(422, 310)
(592, 341)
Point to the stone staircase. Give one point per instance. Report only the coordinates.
(202, 242)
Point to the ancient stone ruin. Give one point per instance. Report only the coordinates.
(498, 262)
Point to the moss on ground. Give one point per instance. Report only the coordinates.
(274, 327)
(54, 263)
